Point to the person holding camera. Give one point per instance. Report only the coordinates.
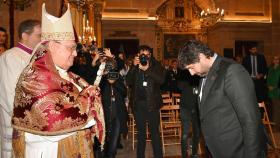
(114, 92)
(144, 78)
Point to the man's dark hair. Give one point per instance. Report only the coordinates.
(145, 48)
(189, 53)
(3, 29)
(27, 26)
(173, 61)
(252, 45)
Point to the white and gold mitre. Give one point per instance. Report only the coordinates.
(54, 28)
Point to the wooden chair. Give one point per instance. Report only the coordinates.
(176, 98)
(133, 130)
(266, 121)
(165, 95)
(170, 126)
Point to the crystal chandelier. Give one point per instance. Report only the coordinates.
(211, 17)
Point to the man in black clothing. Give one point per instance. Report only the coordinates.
(172, 77)
(113, 91)
(144, 79)
(188, 110)
(255, 64)
(85, 64)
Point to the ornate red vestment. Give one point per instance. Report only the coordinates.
(46, 104)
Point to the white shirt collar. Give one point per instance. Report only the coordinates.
(63, 73)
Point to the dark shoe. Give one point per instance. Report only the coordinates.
(120, 146)
(194, 156)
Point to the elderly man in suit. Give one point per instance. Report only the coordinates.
(229, 115)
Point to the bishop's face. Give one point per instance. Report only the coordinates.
(63, 53)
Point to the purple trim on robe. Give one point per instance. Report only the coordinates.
(24, 48)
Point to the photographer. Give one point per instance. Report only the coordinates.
(83, 64)
(113, 91)
(86, 63)
(144, 78)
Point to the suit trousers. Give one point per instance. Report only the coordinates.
(143, 115)
(261, 90)
(113, 136)
(187, 116)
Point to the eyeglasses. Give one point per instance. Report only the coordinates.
(70, 48)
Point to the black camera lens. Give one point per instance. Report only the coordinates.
(143, 59)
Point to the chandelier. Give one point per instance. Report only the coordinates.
(87, 35)
(211, 17)
(18, 4)
(78, 3)
(81, 3)
(86, 7)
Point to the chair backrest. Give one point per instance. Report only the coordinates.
(171, 112)
(167, 101)
(170, 107)
(265, 117)
(165, 95)
(176, 98)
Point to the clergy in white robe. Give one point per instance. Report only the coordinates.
(12, 62)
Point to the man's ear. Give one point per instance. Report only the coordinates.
(52, 46)
(203, 56)
(24, 36)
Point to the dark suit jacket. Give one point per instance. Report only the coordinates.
(260, 84)
(261, 64)
(186, 84)
(229, 114)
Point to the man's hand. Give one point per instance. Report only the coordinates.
(95, 58)
(93, 90)
(259, 76)
(108, 53)
(270, 88)
(136, 61)
(144, 68)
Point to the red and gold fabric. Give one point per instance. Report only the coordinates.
(46, 104)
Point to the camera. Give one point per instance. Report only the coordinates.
(112, 75)
(111, 69)
(111, 64)
(101, 52)
(143, 59)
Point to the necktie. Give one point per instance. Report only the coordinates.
(201, 89)
(254, 67)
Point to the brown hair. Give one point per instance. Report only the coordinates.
(27, 26)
